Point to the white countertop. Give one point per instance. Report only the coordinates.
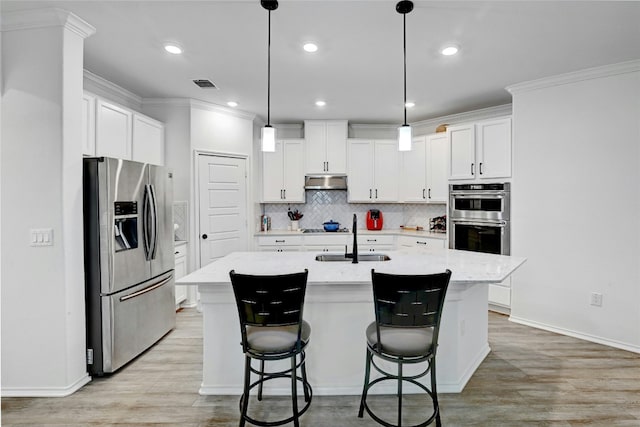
(364, 231)
(467, 267)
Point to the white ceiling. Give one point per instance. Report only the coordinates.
(358, 67)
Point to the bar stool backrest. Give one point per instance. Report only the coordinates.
(274, 300)
(407, 301)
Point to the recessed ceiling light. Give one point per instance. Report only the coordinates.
(173, 48)
(232, 104)
(310, 47)
(449, 50)
(321, 103)
(410, 104)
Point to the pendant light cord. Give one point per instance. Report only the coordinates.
(269, 73)
(404, 52)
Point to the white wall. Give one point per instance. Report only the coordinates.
(43, 333)
(576, 198)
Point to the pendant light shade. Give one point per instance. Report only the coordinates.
(404, 131)
(268, 133)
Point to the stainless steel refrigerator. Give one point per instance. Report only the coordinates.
(128, 258)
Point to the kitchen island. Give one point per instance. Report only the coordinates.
(339, 306)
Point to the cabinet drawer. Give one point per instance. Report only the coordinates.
(279, 240)
(180, 250)
(328, 239)
(420, 242)
(375, 239)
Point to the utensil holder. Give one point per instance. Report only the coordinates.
(295, 225)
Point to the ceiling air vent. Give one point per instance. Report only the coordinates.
(205, 84)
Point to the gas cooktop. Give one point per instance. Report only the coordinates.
(322, 230)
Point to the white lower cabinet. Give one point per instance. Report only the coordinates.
(180, 271)
(375, 243)
(328, 242)
(500, 296)
(420, 243)
(279, 243)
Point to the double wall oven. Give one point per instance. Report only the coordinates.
(479, 217)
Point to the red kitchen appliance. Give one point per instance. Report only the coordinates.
(374, 219)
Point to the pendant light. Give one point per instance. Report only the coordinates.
(404, 131)
(268, 131)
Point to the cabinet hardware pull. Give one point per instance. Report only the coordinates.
(429, 193)
(372, 240)
(423, 193)
(279, 241)
(472, 169)
(480, 166)
(376, 193)
(421, 243)
(284, 192)
(370, 193)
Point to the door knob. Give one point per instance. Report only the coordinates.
(204, 236)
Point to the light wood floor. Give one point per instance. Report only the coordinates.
(531, 377)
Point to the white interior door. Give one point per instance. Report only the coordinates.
(222, 205)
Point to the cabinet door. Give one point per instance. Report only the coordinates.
(494, 148)
(462, 145)
(113, 131)
(437, 190)
(360, 171)
(272, 174)
(148, 140)
(293, 170)
(315, 135)
(336, 135)
(386, 168)
(88, 125)
(414, 174)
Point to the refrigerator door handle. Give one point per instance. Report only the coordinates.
(154, 222)
(147, 222)
(147, 289)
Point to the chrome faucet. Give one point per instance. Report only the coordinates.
(354, 254)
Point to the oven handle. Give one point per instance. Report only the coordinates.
(457, 195)
(500, 224)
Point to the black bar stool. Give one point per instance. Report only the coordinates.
(408, 309)
(270, 310)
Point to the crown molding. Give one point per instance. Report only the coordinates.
(101, 86)
(201, 105)
(173, 102)
(576, 76)
(47, 17)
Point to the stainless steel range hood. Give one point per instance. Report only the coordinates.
(325, 182)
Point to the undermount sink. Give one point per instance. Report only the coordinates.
(363, 257)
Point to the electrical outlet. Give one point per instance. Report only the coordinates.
(596, 299)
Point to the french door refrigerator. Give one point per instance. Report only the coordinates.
(128, 258)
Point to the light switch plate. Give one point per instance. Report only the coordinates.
(41, 237)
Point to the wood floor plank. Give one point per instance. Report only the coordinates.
(531, 378)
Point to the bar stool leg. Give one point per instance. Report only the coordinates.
(434, 391)
(303, 368)
(294, 391)
(366, 384)
(400, 394)
(245, 393)
(261, 380)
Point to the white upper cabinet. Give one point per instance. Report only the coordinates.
(373, 171)
(424, 170)
(283, 172)
(480, 150)
(326, 146)
(88, 124)
(114, 126)
(148, 140)
(437, 155)
(494, 148)
(111, 130)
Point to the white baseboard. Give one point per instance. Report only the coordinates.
(578, 335)
(46, 391)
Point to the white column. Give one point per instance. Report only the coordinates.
(43, 327)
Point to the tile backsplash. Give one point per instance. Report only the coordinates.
(181, 219)
(323, 205)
